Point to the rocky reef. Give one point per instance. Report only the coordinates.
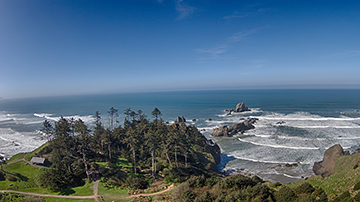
(234, 128)
(240, 107)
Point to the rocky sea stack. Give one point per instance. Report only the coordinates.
(234, 128)
(240, 107)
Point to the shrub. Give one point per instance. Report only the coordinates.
(136, 182)
(318, 192)
(179, 190)
(205, 197)
(197, 181)
(2, 176)
(187, 196)
(259, 191)
(142, 199)
(343, 197)
(357, 186)
(355, 166)
(284, 194)
(11, 178)
(238, 181)
(357, 197)
(304, 188)
(277, 184)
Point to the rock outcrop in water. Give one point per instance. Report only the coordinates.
(325, 166)
(240, 107)
(180, 119)
(234, 128)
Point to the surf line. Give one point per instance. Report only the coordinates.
(279, 146)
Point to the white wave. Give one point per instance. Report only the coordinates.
(253, 111)
(302, 118)
(278, 146)
(324, 127)
(262, 161)
(288, 137)
(290, 176)
(86, 119)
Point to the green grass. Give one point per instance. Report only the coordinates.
(85, 190)
(343, 179)
(17, 157)
(120, 163)
(49, 199)
(112, 194)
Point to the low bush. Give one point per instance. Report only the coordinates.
(285, 194)
(357, 186)
(304, 188)
(343, 197)
(11, 177)
(136, 182)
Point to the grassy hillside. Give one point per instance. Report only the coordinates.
(345, 175)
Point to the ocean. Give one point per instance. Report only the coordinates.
(294, 127)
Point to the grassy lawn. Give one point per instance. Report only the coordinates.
(27, 181)
(86, 190)
(17, 157)
(112, 194)
(48, 199)
(25, 175)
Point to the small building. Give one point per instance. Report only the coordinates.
(94, 175)
(38, 160)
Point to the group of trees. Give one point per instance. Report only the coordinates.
(152, 147)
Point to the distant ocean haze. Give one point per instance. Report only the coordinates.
(294, 126)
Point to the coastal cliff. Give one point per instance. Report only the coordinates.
(325, 166)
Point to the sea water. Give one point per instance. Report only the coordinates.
(294, 126)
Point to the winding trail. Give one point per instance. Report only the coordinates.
(95, 196)
(171, 187)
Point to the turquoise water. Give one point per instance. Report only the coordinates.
(313, 120)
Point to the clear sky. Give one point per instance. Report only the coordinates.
(90, 46)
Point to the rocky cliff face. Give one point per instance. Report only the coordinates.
(235, 128)
(325, 166)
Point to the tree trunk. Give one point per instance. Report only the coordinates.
(167, 156)
(134, 159)
(176, 161)
(186, 160)
(109, 149)
(153, 163)
(86, 168)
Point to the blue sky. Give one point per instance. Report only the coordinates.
(84, 47)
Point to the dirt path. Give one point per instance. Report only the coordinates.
(95, 196)
(171, 187)
(48, 195)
